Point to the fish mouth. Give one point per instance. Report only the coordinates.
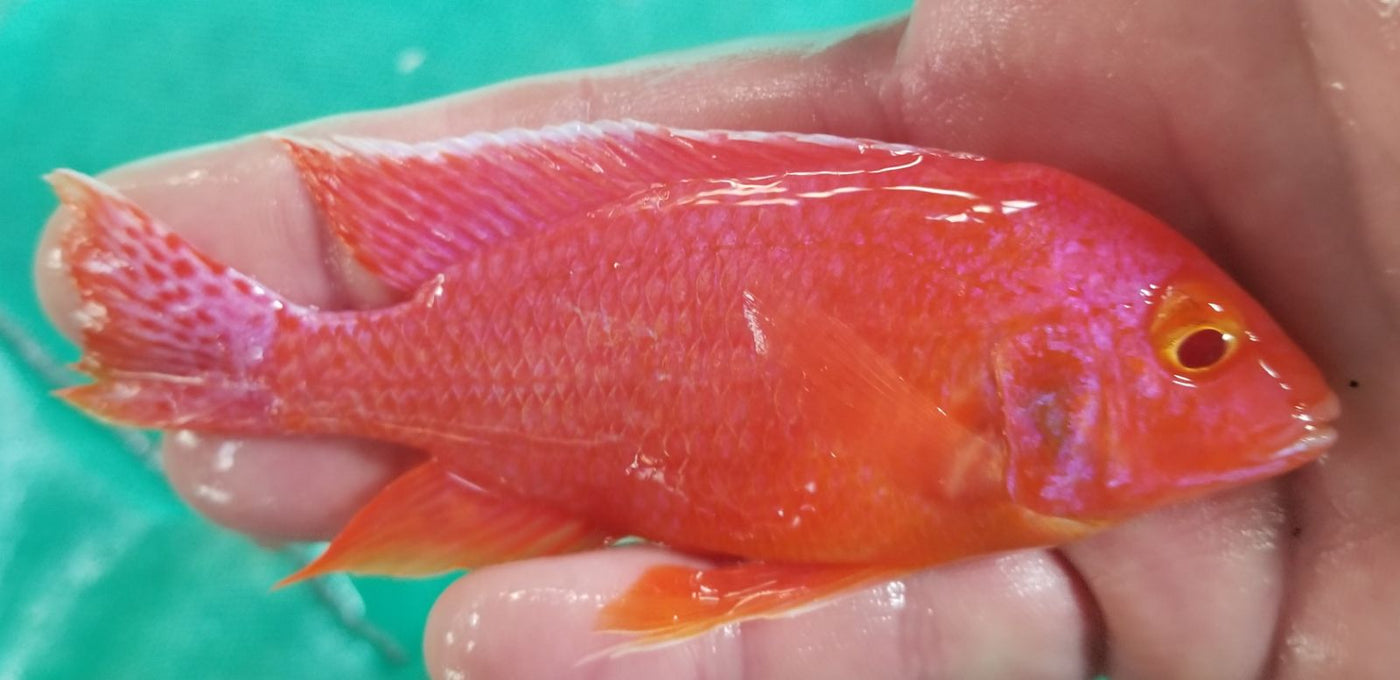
(1326, 410)
(1317, 433)
(1305, 439)
(1315, 439)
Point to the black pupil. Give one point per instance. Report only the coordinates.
(1202, 349)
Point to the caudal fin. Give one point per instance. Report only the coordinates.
(171, 337)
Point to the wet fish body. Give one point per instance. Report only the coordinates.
(833, 360)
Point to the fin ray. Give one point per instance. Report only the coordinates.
(408, 211)
(673, 602)
(853, 396)
(171, 337)
(430, 520)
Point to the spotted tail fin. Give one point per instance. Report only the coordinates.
(171, 338)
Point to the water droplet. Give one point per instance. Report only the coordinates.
(213, 494)
(185, 439)
(91, 316)
(223, 456)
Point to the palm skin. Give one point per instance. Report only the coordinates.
(1263, 130)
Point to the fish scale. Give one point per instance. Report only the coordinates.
(827, 361)
(501, 330)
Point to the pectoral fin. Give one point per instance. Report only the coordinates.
(430, 521)
(672, 602)
(852, 397)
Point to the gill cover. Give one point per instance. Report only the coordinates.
(1055, 420)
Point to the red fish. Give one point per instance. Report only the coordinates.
(823, 361)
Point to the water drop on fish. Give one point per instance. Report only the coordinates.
(185, 439)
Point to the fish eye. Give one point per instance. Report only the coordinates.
(1201, 348)
(1194, 330)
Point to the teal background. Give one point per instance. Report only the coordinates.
(103, 573)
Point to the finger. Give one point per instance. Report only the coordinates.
(1205, 578)
(1164, 106)
(242, 203)
(1014, 616)
(1267, 138)
(1192, 591)
(1341, 613)
(1104, 91)
(279, 488)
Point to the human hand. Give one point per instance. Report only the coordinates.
(1227, 124)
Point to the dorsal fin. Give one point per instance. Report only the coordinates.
(408, 211)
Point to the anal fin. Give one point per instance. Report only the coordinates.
(431, 520)
(673, 602)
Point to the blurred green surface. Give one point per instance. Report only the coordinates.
(102, 572)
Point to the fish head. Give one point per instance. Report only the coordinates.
(1165, 382)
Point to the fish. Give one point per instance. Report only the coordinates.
(819, 362)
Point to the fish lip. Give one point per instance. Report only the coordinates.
(1316, 437)
(1316, 432)
(1314, 440)
(1306, 438)
(1324, 411)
